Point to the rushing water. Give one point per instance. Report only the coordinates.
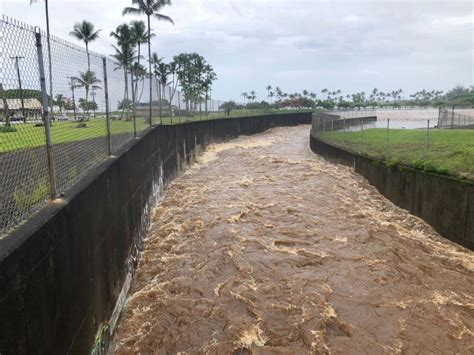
(263, 247)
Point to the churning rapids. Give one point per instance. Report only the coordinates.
(263, 247)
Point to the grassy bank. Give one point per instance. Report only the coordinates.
(27, 135)
(448, 152)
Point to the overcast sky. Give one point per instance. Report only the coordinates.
(296, 44)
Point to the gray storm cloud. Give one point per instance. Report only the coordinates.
(297, 45)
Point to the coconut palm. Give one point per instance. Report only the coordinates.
(125, 52)
(271, 94)
(161, 72)
(124, 58)
(123, 35)
(89, 82)
(60, 102)
(139, 35)
(139, 72)
(149, 8)
(268, 88)
(253, 95)
(85, 31)
(244, 95)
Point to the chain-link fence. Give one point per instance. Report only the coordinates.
(450, 119)
(449, 152)
(59, 120)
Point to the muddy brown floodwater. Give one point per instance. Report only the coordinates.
(263, 247)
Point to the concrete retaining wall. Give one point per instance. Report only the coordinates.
(62, 271)
(447, 204)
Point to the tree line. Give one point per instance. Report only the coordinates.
(327, 99)
(189, 72)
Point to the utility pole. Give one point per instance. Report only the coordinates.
(17, 66)
(73, 100)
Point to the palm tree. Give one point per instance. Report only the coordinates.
(139, 35)
(271, 94)
(161, 72)
(253, 95)
(278, 92)
(60, 102)
(139, 72)
(149, 8)
(124, 35)
(244, 95)
(268, 88)
(85, 31)
(88, 81)
(124, 58)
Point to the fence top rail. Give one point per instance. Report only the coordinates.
(24, 26)
(450, 111)
(17, 23)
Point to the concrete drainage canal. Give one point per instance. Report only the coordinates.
(264, 247)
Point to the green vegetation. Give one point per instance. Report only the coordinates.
(25, 198)
(85, 31)
(449, 152)
(277, 98)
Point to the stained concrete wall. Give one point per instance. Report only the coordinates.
(63, 270)
(446, 203)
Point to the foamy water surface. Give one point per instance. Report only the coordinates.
(263, 247)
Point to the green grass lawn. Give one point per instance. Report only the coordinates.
(449, 152)
(27, 135)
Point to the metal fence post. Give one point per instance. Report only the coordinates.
(361, 134)
(150, 113)
(427, 136)
(160, 97)
(107, 114)
(439, 116)
(171, 104)
(179, 105)
(46, 115)
(388, 140)
(452, 117)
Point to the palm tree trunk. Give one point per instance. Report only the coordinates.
(149, 67)
(125, 93)
(88, 57)
(158, 90)
(160, 98)
(171, 105)
(138, 61)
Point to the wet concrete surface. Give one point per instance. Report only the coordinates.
(263, 247)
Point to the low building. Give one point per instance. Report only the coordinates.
(32, 108)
